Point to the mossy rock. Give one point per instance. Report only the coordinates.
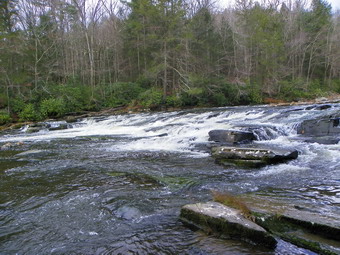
(295, 232)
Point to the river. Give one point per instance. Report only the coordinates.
(115, 184)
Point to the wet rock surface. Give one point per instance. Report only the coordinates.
(226, 222)
(320, 127)
(303, 229)
(300, 227)
(231, 136)
(251, 157)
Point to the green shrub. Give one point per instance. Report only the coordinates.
(29, 113)
(192, 97)
(5, 118)
(293, 90)
(122, 93)
(151, 98)
(76, 97)
(3, 100)
(173, 101)
(17, 105)
(254, 94)
(52, 107)
(218, 99)
(231, 93)
(335, 85)
(145, 82)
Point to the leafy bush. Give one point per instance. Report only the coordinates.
(75, 96)
(3, 100)
(335, 85)
(5, 118)
(52, 107)
(173, 101)
(29, 113)
(122, 93)
(254, 94)
(151, 98)
(17, 105)
(218, 99)
(293, 90)
(145, 82)
(192, 97)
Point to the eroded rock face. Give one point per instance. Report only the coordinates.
(225, 221)
(251, 157)
(231, 136)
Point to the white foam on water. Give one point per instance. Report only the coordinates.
(282, 168)
(182, 131)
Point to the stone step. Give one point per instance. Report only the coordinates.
(226, 222)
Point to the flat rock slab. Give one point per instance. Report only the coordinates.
(316, 224)
(231, 136)
(227, 222)
(255, 157)
(303, 230)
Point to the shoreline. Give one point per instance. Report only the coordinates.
(70, 117)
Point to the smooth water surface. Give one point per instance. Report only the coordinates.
(115, 185)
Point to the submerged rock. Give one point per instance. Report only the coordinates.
(30, 152)
(231, 136)
(226, 222)
(128, 213)
(251, 157)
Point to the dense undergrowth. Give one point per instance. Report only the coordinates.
(58, 100)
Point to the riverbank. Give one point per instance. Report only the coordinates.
(70, 117)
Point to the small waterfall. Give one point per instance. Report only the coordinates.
(179, 131)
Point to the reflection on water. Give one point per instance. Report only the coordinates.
(115, 185)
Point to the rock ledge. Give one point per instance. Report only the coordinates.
(226, 222)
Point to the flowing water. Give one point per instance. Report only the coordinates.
(115, 185)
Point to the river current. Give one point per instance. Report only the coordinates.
(115, 184)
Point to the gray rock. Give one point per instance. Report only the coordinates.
(60, 127)
(314, 222)
(33, 129)
(304, 229)
(225, 221)
(231, 136)
(320, 127)
(251, 157)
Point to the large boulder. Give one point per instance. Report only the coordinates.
(226, 222)
(231, 136)
(251, 157)
(320, 127)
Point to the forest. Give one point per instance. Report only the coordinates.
(68, 56)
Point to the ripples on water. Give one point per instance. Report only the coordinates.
(115, 185)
